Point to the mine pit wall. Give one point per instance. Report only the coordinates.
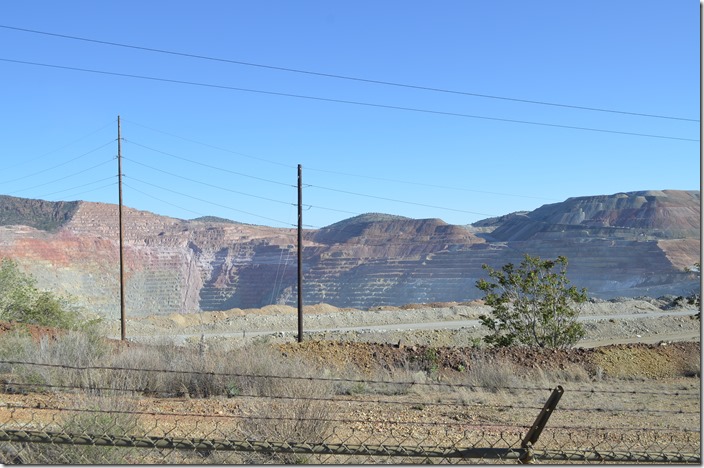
(444, 276)
(243, 275)
(178, 266)
(60, 264)
(162, 280)
(634, 268)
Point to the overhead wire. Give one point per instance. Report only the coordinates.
(313, 169)
(161, 200)
(278, 282)
(207, 201)
(208, 145)
(346, 174)
(400, 201)
(344, 77)
(65, 177)
(423, 184)
(206, 183)
(210, 166)
(200, 163)
(23, 161)
(81, 186)
(344, 101)
(57, 165)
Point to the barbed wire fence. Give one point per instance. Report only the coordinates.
(117, 415)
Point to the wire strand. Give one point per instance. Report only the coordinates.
(65, 177)
(23, 161)
(317, 378)
(209, 166)
(206, 201)
(58, 165)
(344, 101)
(400, 201)
(349, 78)
(206, 183)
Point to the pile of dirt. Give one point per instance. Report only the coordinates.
(662, 360)
(649, 361)
(35, 331)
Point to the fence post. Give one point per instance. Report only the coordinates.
(537, 428)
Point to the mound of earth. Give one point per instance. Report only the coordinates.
(636, 360)
(35, 331)
(661, 360)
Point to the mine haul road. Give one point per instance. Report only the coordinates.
(674, 335)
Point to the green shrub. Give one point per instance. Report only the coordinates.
(532, 304)
(21, 301)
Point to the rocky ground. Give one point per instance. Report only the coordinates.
(625, 337)
(633, 367)
(444, 324)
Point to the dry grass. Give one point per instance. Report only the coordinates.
(280, 397)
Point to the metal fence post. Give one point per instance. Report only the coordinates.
(537, 428)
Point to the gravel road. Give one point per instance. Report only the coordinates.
(606, 322)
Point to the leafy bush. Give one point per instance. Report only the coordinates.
(532, 304)
(21, 301)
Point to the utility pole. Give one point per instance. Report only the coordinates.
(300, 256)
(121, 229)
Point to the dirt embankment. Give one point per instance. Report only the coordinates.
(619, 361)
(629, 337)
(642, 320)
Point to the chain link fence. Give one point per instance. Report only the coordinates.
(291, 419)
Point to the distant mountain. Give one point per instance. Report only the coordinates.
(39, 214)
(214, 219)
(627, 244)
(666, 214)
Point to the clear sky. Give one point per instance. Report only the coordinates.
(414, 108)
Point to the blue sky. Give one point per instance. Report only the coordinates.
(206, 148)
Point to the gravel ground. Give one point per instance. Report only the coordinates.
(607, 322)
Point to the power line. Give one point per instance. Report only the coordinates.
(209, 202)
(206, 183)
(209, 166)
(207, 145)
(81, 186)
(346, 174)
(22, 161)
(65, 177)
(401, 201)
(422, 184)
(344, 101)
(344, 77)
(223, 170)
(163, 201)
(58, 165)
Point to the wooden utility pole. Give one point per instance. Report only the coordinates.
(300, 256)
(123, 335)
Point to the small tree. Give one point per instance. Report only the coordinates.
(22, 301)
(532, 304)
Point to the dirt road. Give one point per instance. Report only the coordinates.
(627, 321)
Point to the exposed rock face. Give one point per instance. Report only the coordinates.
(667, 214)
(620, 245)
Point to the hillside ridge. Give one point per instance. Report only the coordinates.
(627, 244)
